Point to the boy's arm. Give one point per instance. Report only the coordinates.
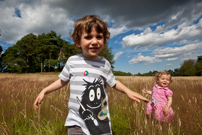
(131, 94)
(52, 87)
(168, 105)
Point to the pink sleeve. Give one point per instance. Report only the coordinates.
(169, 93)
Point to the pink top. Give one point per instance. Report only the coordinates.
(160, 94)
(158, 102)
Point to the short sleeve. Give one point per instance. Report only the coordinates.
(111, 79)
(65, 74)
(169, 93)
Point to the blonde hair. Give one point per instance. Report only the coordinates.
(87, 22)
(159, 74)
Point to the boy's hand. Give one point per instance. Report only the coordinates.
(38, 100)
(131, 94)
(135, 96)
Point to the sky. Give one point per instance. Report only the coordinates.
(146, 35)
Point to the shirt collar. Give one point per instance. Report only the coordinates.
(157, 86)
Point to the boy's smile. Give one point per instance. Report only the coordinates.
(91, 43)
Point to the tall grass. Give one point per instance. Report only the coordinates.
(18, 92)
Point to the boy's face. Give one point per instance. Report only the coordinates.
(91, 43)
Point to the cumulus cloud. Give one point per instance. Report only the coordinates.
(171, 26)
(144, 59)
(23, 19)
(169, 54)
(172, 53)
(149, 38)
(44, 15)
(117, 55)
(170, 59)
(181, 42)
(117, 31)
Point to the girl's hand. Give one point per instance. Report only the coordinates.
(38, 100)
(168, 105)
(166, 110)
(144, 91)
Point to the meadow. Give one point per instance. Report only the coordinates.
(18, 117)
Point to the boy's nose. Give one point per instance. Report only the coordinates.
(94, 41)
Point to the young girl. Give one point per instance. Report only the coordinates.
(88, 74)
(160, 104)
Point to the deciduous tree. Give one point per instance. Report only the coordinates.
(187, 68)
(198, 66)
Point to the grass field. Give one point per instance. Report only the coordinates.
(18, 92)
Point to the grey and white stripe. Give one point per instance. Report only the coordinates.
(73, 72)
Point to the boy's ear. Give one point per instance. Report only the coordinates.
(78, 45)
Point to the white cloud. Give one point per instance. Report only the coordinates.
(150, 38)
(173, 52)
(170, 59)
(34, 19)
(44, 15)
(117, 55)
(169, 54)
(40, 16)
(181, 42)
(175, 16)
(117, 31)
(147, 31)
(143, 59)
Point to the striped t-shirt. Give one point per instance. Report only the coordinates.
(88, 101)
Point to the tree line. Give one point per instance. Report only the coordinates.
(41, 53)
(189, 67)
(49, 52)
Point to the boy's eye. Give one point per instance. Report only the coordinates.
(87, 37)
(99, 37)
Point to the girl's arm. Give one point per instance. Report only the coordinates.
(168, 105)
(144, 91)
(52, 87)
(131, 94)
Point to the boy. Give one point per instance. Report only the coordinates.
(88, 74)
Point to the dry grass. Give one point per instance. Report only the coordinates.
(18, 92)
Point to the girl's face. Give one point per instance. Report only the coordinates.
(91, 43)
(164, 80)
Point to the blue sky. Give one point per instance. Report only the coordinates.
(146, 35)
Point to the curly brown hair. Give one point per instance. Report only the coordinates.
(159, 74)
(87, 22)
